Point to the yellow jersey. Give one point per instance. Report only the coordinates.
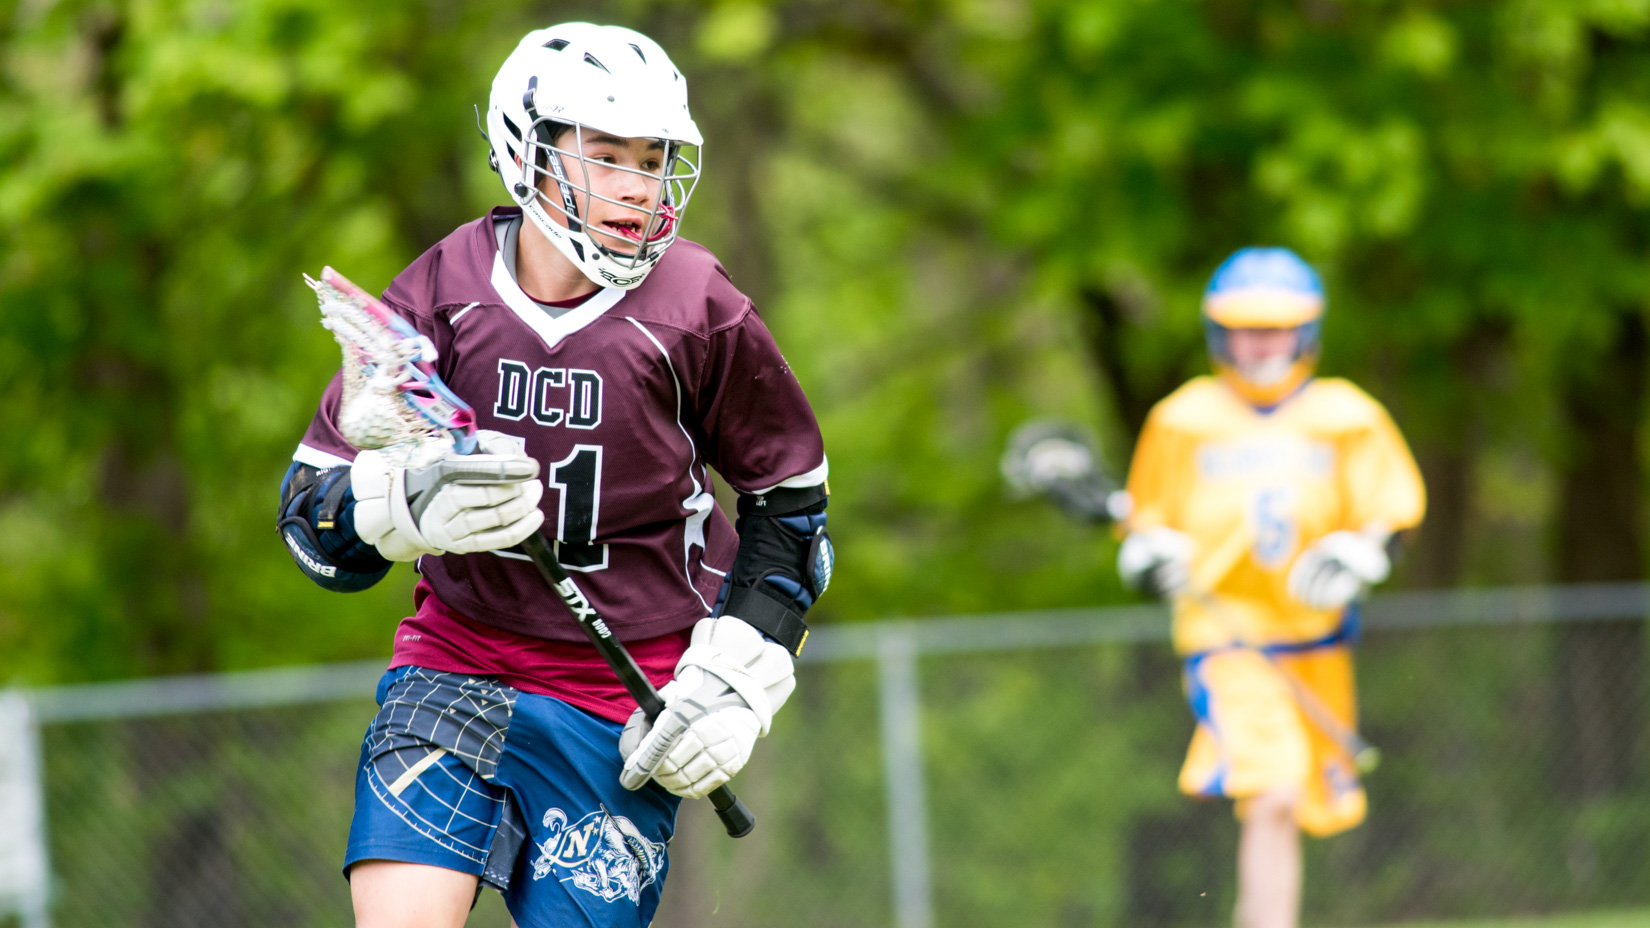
(1253, 489)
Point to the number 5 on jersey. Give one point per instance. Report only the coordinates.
(1275, 529)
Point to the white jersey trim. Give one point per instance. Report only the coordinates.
(701, 501)
(460, 314)
(552, 329)
(317, 458)
(812, 478)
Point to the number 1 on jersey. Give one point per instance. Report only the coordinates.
(578, 478)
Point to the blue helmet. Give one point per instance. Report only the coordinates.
(1264, 288)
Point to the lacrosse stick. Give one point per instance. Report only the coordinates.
(1047, 457)
(1060, 460)
(395, 401)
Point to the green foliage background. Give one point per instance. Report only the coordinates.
(954, 214)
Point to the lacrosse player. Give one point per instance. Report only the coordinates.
(609, 366)
(1266, 503)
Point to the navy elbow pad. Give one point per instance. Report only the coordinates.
(317, 524)
(783, 565)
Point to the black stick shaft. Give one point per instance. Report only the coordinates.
(735, 817)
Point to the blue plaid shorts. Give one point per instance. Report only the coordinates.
(521, 790)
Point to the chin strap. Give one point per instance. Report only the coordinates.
(542, 139)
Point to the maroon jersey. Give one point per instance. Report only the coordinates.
(624, 400)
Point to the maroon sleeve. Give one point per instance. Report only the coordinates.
(758, 429)
(322, 445)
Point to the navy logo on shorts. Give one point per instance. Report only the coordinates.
(600, 853)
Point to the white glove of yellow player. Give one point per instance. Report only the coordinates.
(1156, 561)
(446, 502)
(1338, 568)
(728, 685)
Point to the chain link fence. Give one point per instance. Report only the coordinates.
(1012, 770)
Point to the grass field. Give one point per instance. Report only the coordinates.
(1639, 918)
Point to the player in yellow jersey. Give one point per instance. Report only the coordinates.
(1265, 504)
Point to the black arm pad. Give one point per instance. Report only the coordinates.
(317, 522)
(784, 501)
(784, 563)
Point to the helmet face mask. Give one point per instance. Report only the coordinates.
(1268, 289)
(556, 180)
(572, 88)
(1270, 380)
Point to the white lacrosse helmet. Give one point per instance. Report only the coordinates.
(606, 79)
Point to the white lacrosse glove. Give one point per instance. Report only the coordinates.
(728, 685)
(1156, 561)
(1338, 568)
(446, 502)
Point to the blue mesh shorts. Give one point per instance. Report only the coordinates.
(521, 790)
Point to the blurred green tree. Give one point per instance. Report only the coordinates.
(168, 170)
(1471, 178)
(935, 201)
(954, 213)
(170, 167)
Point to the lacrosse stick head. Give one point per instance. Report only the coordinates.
(1061, 460)
(1042, 451)
(393, 399)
